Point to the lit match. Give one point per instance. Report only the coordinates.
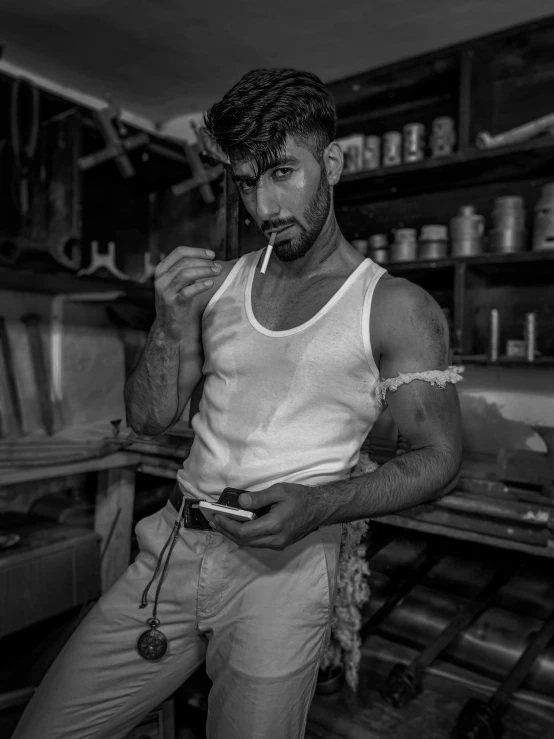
(268, 252)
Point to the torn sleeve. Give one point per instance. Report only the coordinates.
(434, 377)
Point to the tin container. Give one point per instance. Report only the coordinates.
(508, 234)
(379, 248)
(404, 246)
(392, 149)
(433, 242)
(443, 137)
(372, 152)
(414, 142)
(543, 227)
(467, 231)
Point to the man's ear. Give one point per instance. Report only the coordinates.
(333, 158)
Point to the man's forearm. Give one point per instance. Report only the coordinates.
(403, 482)
(151, 394)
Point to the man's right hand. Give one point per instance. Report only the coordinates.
(182, 275)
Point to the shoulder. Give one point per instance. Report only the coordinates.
(203, 298)
(404, 314)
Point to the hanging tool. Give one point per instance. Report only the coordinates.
(149, 267)
(23, 152)
(32, 323)
(201, 177)
(7, 358)
(480, 720)
(112, 129)
(107, 260)
(404, 681)
(431, 559)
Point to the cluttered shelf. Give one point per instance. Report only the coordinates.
(464, 168)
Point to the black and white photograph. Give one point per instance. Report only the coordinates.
(277, 369)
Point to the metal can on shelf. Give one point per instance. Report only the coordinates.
(543, 227)
(443, 137)
(467, 230)
(414, 142)
(372, 152)
(404, 246)
(379, 248)
(392, 149)
(508, 234)
(433, 242)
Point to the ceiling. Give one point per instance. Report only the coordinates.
(163, 59)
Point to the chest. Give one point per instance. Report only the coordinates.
(279, 308)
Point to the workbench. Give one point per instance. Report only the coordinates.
(115, 497)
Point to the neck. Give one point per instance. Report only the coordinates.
(321, 257)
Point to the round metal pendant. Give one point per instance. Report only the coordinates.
(152, 644)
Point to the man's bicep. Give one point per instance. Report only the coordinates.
(427, 415)
(417, 340)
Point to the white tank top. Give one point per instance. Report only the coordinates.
(282, 406)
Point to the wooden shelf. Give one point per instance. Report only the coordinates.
(534, 158)
(481, 260)
(67, 282)
(482, 359)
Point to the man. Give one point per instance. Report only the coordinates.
(292, 361)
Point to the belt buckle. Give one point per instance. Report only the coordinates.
(193, 518)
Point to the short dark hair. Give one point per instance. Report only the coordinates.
(253, 119)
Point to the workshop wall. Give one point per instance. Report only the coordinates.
(93, 365)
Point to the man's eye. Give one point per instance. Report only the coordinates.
(285, 170)
(246, 186)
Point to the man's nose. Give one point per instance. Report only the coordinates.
(267, 205)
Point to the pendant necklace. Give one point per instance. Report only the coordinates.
(152, 644)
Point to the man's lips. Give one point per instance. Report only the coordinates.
(280, 230)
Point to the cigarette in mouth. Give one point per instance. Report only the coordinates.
(268, 252)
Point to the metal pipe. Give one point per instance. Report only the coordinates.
(404, 681)
(401, 591)
(528, 593)
(490, 646)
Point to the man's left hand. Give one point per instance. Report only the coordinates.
(293, 515)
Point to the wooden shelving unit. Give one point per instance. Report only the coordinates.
(492, 84)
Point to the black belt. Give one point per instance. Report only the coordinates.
(193, 518)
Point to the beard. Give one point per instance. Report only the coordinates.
(315, 216)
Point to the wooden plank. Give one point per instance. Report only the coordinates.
(110, 461)
(466, 535)
(115, 499)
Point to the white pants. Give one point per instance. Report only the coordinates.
(259, 617)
